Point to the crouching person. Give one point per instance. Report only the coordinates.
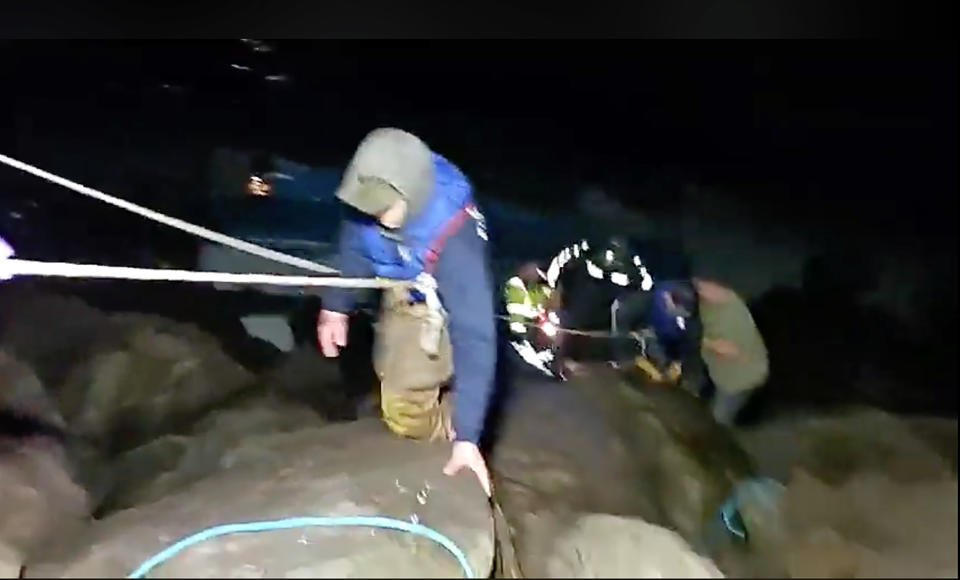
(410, 216)
(732, 349)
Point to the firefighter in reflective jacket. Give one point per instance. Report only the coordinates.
(533, 320)
(526, 296)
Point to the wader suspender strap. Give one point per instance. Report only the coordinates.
(451, 228)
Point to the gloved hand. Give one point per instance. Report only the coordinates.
(332, 332)
(466, 454)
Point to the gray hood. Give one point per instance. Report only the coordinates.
(393, 157)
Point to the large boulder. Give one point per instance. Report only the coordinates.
(161, 377)
(51, 333)
(835, 446)
(340, 470)
(219, 441)
(118, 380)
(10, 562)
(868, 494)
(22, 392)
(39, 501)
(606, 546)
(305, 375)
(598, 444)
(689, 461)
(869, 526)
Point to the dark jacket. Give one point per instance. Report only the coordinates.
(466, 290)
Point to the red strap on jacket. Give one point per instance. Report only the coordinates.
(451, 228)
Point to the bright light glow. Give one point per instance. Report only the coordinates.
(609, 256)
(584, 246)
(681, 323)
(552, 317)
(549, 329)
(258, 187)
(636, 261)
(553, 272)
(619, 278)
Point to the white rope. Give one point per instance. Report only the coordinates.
(13, 267)
(188, 227)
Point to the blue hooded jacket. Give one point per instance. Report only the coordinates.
(448, 236)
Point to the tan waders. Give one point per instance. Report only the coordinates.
(413, 359)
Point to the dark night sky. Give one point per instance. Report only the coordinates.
(858, 127)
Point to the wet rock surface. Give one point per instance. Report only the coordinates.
(605, 546)
(150, 426)
(39, 501)
(163, 435)
(600, 445)
(867, 495)
(342, 470)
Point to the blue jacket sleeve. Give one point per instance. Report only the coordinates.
(465, 288)
(352, 263)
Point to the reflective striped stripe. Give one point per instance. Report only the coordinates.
(594, 270)
(619, 278)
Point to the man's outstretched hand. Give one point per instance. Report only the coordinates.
(332, 332)
(467, 455)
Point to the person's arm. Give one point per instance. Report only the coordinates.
(352, 263)
(466, 289)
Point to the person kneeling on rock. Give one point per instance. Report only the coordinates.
(410, 216)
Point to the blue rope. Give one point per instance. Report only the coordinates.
(289, 523)
(764, 489)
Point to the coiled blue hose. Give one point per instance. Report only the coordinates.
(306, 522)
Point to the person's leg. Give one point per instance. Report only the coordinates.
(630, 312)
(726, 406)
(410, 379)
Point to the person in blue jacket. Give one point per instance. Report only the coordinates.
(410, 215)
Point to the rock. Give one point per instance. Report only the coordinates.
(145, 473)
(22, 392)
(596, 444)
(822, 554)
(39, 502)
(348, 469)
(10, 562)
(869, 526)
(557, 456)
(833, 447)
(306, 376)
(939, 434)
(217, 442)
(53, 333)
(163, 376)
(691, 461)
(606, 546)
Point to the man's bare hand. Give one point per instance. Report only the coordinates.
(332, 332)
(723, 348)
(467, 455)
